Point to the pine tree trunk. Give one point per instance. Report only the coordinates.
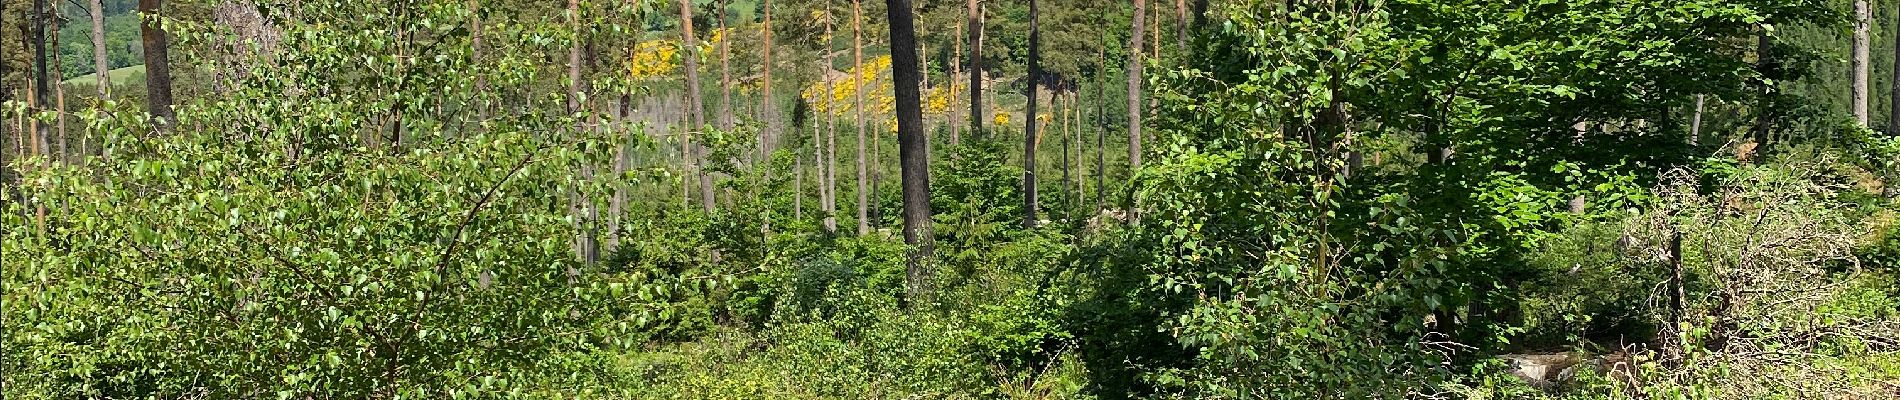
(1101, 128)
(956, 71)
(1181, 17)
(695, 108)
(42, 77)
(475, 59)
(98, 11)
(1863, 19)
(725, 71)
(158, 76)
(857, 107)
(1893, 117)
(914, 157)
(1134, 89)
(771, 110)
(828, 163)
(1029, 124)
(975, 15)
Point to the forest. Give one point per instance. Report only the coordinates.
(950, 199)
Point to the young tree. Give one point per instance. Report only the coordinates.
(914, 156)
(1863, 18)
(956, 68)
(857, 107)
(771, 105)
(1134, 88)
(1029, 125)
(694, 108)
(158, 75)
(42, 91)
(1893, 117)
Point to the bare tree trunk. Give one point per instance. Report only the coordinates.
(1029, 124)
(1695, 122)
(1181, 17)
(1134, 89)
(695, 108)
(956, 70)
(158, 76)
(829, 163)
(1764, 113)
(725, 71)
(1101, 127)
(975, 15)
(481, 80)
(1863, 20)
(98, 11)
(772, 127)
(584, 246)
(915, 157)
(42, 77)
(857, 107)
(1062, 110)
(60, 153)
(1893, 117)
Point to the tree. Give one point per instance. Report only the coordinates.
(912, 153)
(694, 108)
(975, 15)
(1863, 18)
(725, 70)
(158, 75)
(41, 77)
(1134, 88)
(1893, 118)
(98, 12)
(1029, 126)
(828, 162)
(857, 107)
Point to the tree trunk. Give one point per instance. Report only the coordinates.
(975, 15)
(694, 107)
(42, 77)
(584, 246)
(158, 76)
(1695, 122)
(1101, 127)
(475, 58)
(98, 11)
(1134, 89)
(857, 107)
(772, 127)
(725, 71)
(1029, 124)
(1893, 117)
(956, 70)
(912, 153)
(1063, 110)
(1181, 17)
(1863, 20)
(1766, 65)
(828, 162)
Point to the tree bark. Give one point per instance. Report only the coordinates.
(725, 71)
(98, 11)
(956, 69)
(912, 152)
(1134, 89)
(772, 127)
(1181, 17)
(1101, 127)
(1863, 19)
(1695, 122)
(828, 164)
(695, 109)
(1893, 117)
(975, 16)
(1029, 125)
(158, 76)
(42, 78)
(857, 107)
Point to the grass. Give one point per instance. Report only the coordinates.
(119, 76)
